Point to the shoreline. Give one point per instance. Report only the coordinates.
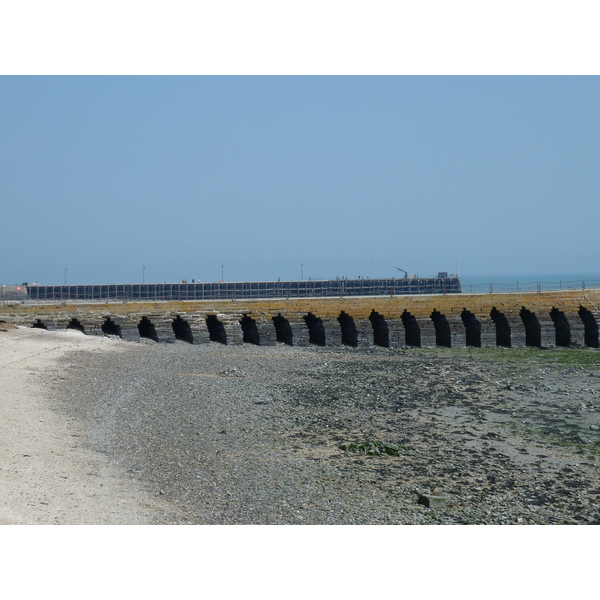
(48, 473)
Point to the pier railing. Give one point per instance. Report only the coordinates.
(529, 286)
(285, 289)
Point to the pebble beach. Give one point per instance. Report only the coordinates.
(115, 432)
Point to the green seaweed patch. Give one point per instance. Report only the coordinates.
(374, 448)
(552, 437)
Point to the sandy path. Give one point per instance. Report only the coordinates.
(47, 474)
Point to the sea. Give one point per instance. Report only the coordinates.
(528, 282)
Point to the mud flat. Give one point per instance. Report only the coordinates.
(213, 434)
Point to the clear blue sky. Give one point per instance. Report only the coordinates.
(349, 176)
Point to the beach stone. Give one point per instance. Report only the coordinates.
(431, 501)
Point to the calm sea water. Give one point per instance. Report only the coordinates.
(529, 282)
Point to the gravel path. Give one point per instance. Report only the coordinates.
(252, 435)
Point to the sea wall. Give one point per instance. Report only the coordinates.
(543, 319)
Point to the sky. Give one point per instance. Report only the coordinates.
(119, 178)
